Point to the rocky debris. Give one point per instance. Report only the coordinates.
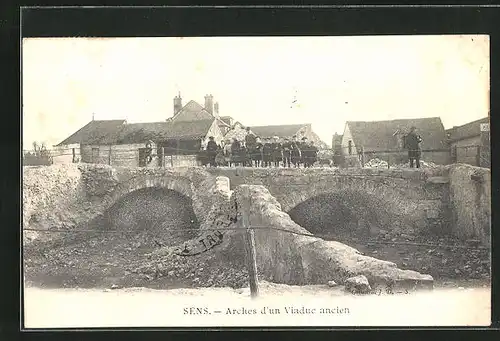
(376, 163)
(442, 257)
(332, 284)
(423, 164)
(357, 285)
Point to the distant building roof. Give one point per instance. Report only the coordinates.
(94, 132)
(238, 133)
(466, 131)
(192, 111)
(157, 131)
(277, 130)
(380, 135)
(227, 119)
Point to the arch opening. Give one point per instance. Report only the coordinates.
(158, 216)
(343, 216)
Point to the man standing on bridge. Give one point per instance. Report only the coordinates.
(412, 143)
(212, 149)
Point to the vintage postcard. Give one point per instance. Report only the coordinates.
(256, 181)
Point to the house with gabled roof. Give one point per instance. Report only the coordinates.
(385, 140)
(175, 141)
(193, 111)
(280, 131)
(78, 146)
(466, 142)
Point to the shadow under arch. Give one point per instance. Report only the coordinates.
(343, 214)
(163, 214)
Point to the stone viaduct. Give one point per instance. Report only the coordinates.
(455, 199)
(419, 198)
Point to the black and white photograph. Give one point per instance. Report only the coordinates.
(256, 181)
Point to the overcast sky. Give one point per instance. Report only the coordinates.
(258, 81)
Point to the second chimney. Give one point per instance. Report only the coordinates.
(209, 104)
(216, 109)
(177, 104)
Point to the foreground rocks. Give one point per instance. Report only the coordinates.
(358, 285)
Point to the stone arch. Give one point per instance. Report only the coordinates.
(383, 203)
(383, 187)
(179, 184)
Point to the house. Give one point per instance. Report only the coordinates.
(174, 142)
(281, 131)
(467, 142)
(193, 111)
(83, 145)
(126, 145)
(384, 140)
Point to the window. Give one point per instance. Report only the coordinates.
(350, 147)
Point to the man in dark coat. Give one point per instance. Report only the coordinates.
(250, 141)
(276, 151)
(257, 152)
(212, 149)
(304, 147)
(313, 150)
(244, 156)
(287, 152)
(235, 152)
(267, 150)
(412, 143)
(295, 152)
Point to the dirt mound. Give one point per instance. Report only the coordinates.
(48, 198)
(126, 259)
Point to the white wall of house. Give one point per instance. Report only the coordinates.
(214, 131)
(346, 137)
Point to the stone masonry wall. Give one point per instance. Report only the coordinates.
(411, 201)
(470, 202)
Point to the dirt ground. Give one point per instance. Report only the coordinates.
(443, 258)
(123, 259)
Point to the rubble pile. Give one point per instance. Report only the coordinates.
(423, 164)
(121, 260)
(442, 257)
(376, 163)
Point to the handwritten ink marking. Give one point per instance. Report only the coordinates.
(204, 244)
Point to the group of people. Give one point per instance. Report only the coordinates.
(255, 151)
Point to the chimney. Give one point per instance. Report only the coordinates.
(216, 109)
(177, 104)
(209, 104)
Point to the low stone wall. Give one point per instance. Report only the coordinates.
(470, 202)
(290, 257)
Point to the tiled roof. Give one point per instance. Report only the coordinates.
(467, 130)
(277, 130)
(227, 119)
(94, 132)
(157, 131)
(192, 111)
(380, 135)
